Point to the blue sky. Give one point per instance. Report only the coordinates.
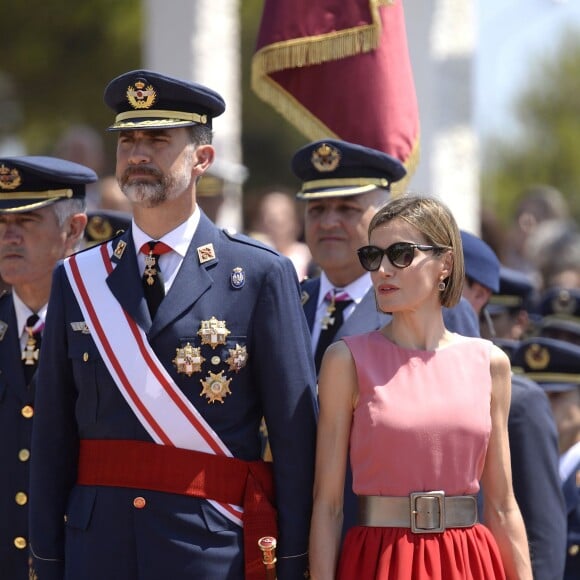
(512, 35)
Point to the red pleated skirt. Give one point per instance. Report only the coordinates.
(398, 554)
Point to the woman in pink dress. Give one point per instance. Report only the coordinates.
(423, 413)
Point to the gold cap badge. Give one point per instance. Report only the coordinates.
(537, 357)
(141, 96)
(9, 178)
(326, 158)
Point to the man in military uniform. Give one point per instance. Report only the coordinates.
(41, 221)
(343, 185)
(164, 349)
(554, 365)
(531, 428)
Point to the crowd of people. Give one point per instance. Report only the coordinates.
(417, 385)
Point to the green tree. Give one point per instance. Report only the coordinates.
(57, 58)
(548, 149)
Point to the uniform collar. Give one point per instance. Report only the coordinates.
(356, 290)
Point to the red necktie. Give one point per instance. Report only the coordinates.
(153, 286)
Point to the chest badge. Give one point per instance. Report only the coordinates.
(3, 329)
(237, 278)
(188, 360)
(213, 332)
(238, 358)
(215, 387)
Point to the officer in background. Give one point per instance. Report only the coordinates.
(42, 202)
(164, 349)
(509, 310)
(555, 366)
(531, 429)
(343, 185)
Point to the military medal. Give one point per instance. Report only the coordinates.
(30, 353)
(328, 319)
(150, 270)
(215, 387)
(205, 253)
(238, 358)
(213, 332)
(238, 278)
(188, 360)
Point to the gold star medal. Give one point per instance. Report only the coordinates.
(238, 358)
(215, 387)
(213, 332)
(188, 360)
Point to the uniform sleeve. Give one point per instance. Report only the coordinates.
(54, 448)
(534, 456)
(287, 383)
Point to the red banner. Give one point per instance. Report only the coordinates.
(340, 68)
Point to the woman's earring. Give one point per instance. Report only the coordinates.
(441, 286)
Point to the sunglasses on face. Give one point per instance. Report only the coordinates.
(401, 254)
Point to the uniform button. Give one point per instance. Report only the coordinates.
(574, 549)
(139, 502)
(27, 411)
(20, 542)
(86, 356)
(24, 455)
(21, 498)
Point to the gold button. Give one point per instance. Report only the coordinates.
(65, 518)
(27, 411)
(20, 542)
(574, 549)
(24, 455)
(139, 502)
(21, 498)
(86, 356)
(216, 360)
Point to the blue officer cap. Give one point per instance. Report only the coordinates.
(333, 168)
(145, 99)
(31, 182)
(559, 309)
(516, 291)
(103, 224)
(481, 263)
(553, 364)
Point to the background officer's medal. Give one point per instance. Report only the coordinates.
(328, 319)
(213, 332)
(30, 353)
(238, 358)
(188, 360)
(215, 387)
(141, 96)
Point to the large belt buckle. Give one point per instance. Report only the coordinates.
(427, 512)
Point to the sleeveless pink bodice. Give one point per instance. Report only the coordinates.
(422, 421)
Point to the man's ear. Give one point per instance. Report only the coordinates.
(75, 231)
(204, 156)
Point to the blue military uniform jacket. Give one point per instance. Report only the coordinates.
(366, 318)
(572, 498)
(98, 530)
(534, 459)
(16, 411)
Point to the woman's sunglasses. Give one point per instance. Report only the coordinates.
(401, 254)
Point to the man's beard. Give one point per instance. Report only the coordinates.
(153, 193)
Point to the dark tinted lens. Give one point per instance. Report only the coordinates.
(401, 255)
(370, 257)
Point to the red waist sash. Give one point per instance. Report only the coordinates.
(145, 465)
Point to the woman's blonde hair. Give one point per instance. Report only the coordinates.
(434, 220)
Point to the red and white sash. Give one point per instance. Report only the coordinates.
(159, 404)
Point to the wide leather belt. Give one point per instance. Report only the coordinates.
(423, 512)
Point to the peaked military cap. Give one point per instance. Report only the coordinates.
(553, 364)
(34, 181)
(146, 99)
(559, 309)
(102, 225)
(481, 263)
(334, 168)
(516, 290)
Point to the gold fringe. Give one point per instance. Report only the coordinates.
(336, 45)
